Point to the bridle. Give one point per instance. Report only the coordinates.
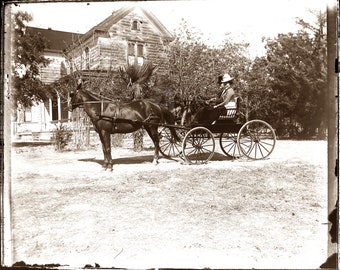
(101, 101)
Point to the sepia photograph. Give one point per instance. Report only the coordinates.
(188, 134)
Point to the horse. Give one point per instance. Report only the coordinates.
(198, 111)
(109, 117)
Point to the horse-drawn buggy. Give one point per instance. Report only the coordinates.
(194, 142)
(254, 139)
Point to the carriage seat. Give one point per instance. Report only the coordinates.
(232, 108)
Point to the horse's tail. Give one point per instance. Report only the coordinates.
(169, 118)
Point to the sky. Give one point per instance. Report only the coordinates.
(245, 20)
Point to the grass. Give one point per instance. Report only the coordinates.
(214, 215)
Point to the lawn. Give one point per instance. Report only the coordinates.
(226, 214)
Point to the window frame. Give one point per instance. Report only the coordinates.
(136, 25)
(137, 54)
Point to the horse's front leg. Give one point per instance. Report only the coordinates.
(106, 145)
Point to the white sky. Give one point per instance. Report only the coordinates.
(246, 20)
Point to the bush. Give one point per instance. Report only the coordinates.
(62, 136)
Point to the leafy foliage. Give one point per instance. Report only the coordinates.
(140, 74)
(297, 67)
(28, 59)
(194, 67)
(62, 136)
(285, 87)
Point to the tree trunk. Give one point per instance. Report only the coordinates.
(138, 140)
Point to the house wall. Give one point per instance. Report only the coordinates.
(148, 35)
(109, 50)
(56, 68)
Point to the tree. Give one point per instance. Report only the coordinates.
(28, 59)
(194, 67)
(255, 90)
(297, 67)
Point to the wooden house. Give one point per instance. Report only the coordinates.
(128, 35)
(38, 121)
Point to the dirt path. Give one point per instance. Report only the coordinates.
(225, 214)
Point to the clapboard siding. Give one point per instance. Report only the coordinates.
(108, 49)
(53, 71)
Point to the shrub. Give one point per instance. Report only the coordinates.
(62, 136)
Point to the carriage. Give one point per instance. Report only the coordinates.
(194, 142)
(254, 139)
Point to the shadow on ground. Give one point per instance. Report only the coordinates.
(148, 159)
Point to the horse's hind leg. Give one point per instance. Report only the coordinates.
(153, 133)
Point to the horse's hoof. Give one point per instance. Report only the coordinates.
(155, 162)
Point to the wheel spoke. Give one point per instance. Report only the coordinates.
(256, 139)
(228, 144)
(168, 146)
(198, 145)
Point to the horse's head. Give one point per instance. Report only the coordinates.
(194, 103)
(76, 99)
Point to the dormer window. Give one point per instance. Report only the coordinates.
(136, 25)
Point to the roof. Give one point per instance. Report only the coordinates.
(116, 16)
(57, 40)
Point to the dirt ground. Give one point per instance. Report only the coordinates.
(226, 214)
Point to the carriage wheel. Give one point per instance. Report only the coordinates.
(198, 145)
(256, 139)
(228, 144)
(167, 145)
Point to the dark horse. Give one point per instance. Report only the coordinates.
(198, 111)
(110, 117)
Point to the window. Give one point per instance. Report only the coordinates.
(135, 53)
(28, 115)
(58, 108)
(131, 53)
(136, 25)
(54, 109)
(140, 53)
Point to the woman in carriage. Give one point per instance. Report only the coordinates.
(226, 97)
(219, 105)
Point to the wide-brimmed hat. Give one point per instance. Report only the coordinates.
(226, 78)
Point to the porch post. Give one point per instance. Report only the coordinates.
(59, 108)
(50, 109)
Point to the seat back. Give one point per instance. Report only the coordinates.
(231, 110)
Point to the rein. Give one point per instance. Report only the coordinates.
(101, 101)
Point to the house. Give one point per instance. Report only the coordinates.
(128, 35)
(37, 121)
